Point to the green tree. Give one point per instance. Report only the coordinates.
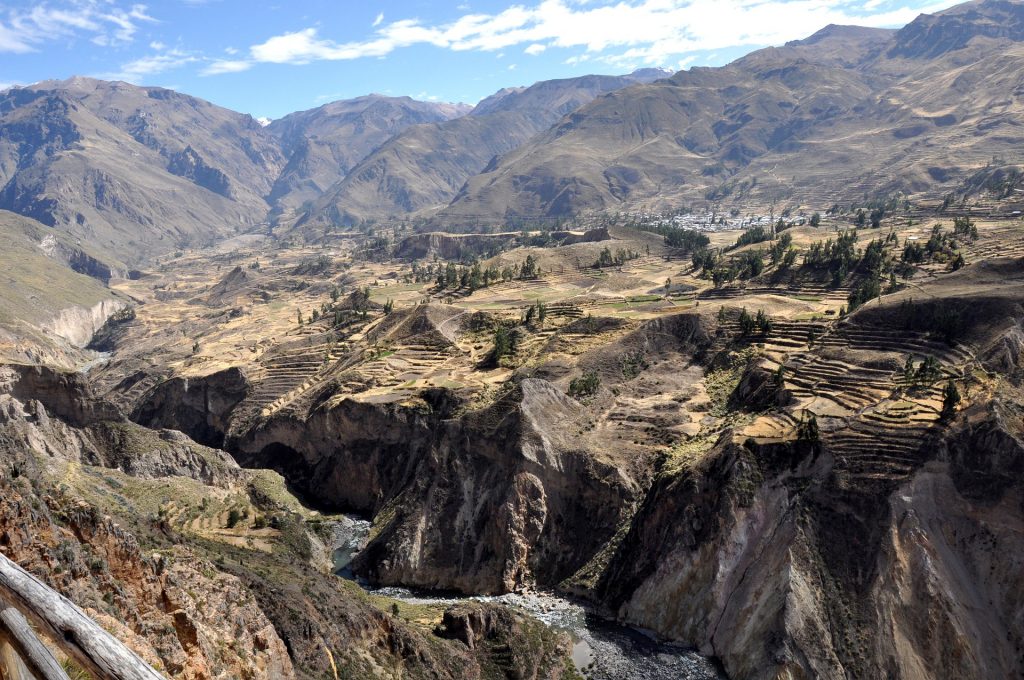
(504, 344)
(807, 428)
(585, 385)
(950, 400)
(529, 270)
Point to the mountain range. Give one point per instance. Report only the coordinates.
(139, 171)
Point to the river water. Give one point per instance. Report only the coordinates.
(602, 649)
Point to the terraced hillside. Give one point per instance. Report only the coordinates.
(790, 382)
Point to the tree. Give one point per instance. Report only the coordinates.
(542, 311)
(234, 517)
(950, 400)
(504, 345)
(965, 228)
(747, 323)
(298, 313)
(529, 270)
(815, 219)
(807, 428)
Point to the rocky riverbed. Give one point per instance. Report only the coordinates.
(602, 649)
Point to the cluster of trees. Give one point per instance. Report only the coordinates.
(941, 246)
(874, 217)
(758, 234)
(759, 323)
(687, 240)
(964, 228)
(621, 256)
(538, 311)
(504, 343)
(475, 277)
(950, 400)
(837, 256)
(807, 428)
(360, 306)
(925, 373)
(782, 252)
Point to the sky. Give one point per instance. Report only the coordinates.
(271, 58)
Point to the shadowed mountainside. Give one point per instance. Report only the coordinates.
(324, 143)
(424, 166)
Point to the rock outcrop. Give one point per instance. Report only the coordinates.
(78, 325)
(111, 514)
(486, 502)
(760, 558)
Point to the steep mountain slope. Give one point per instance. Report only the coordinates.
(133, 171)
(323, 144)
(424, 166)
(52, 296)
(845, 112)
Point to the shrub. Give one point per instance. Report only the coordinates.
(584, 386)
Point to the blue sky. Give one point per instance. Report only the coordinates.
(271, 58)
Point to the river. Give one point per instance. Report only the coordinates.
(602, 649)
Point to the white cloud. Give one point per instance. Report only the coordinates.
(511, 67)
(103, 22)
(620, 31)
(137, 70)
(220, 66)
(379, 19)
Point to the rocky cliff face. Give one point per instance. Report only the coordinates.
(487, 502)
(77, 325)
(201, 407)
(760, 558)
(160, 572)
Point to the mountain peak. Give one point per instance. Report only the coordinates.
(931, 35)
(843, 32)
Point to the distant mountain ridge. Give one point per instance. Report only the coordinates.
(134, 171)
(323, 144)
(847, 112)
(424, 166)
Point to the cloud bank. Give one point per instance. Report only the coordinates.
(639, 31)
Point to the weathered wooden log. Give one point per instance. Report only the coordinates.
(11, 665)
(77, 635)
(34, 654)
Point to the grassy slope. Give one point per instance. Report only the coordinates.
(34, 287)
